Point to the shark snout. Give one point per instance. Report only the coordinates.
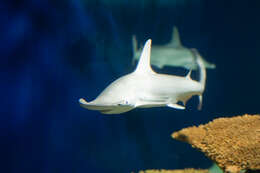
(82, 101)
(89, 105)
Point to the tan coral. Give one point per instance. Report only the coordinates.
(176, 171)
(233, 143)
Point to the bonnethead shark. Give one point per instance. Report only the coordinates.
(144, 88)
(172, 54)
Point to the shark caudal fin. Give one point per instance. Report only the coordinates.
(201, 65)
(202, 71)
(135, 49)
(144, 65)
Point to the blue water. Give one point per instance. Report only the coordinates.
(55, 52)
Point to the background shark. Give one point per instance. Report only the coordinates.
(145, 88)
(172, 54)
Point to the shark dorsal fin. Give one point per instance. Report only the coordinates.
(176, 41)
(144, 61)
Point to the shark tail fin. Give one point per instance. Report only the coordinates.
(200, 102)
(202, 69)
(135, 49)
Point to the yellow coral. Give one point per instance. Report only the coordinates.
(175, 171)
(233, 143)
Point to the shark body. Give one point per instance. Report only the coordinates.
(145, 88)
(172, 54)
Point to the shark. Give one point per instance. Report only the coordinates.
(171, 54)
(144, 88)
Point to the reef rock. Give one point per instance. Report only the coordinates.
(233, 143)
(176, 171)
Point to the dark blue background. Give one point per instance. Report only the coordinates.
(55, 52)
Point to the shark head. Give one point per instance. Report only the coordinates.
(119, 96)
(106, 108)
(115, 99)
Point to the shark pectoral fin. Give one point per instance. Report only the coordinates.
(200, 102)
(175, 106)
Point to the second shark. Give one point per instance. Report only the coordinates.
(173, 54)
